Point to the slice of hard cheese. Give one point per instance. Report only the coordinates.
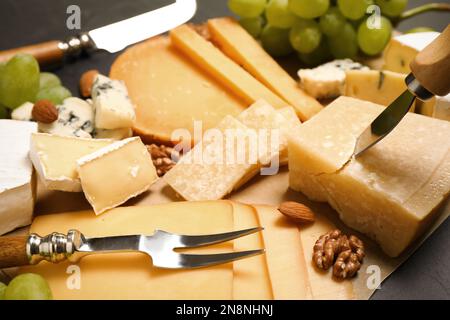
(240, 46)
(131, 275)
(284, 255)
(213, 168)
(118, 172)
(55, 159)
(382, 192)
(170, 92)
(225, 70)
(251, 278)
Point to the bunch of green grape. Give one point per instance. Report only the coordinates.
(27, 286)
(319, 30)
(21, 81)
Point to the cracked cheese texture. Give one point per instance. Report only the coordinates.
(240, 46)
(388, 193)
(131, 275)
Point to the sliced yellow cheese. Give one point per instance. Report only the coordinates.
(240, 46)
(55, 159)
(284, 254)
(251, 278)
(131, 275)
(381, 87)
(112, 175)
(170, 92)
(225, 70)
(215, 166)
(381, 193)
(323, 285)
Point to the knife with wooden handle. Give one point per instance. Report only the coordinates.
(430, 76)
(113, 37)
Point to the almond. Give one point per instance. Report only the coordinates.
(44, 111)
(86, 81)
(297, 211)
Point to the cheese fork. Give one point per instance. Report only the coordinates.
(57, 247)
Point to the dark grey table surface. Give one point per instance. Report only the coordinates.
(426, 275)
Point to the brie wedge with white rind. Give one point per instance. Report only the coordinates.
(125, 166)
(17, 181)
(54, 158)
(392, 190)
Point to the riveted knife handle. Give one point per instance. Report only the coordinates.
(13, 251)
(431, 67)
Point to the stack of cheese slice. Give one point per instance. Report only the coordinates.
(233, 152)
(281, 273)
(391, 191)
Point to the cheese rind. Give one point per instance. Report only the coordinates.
(240, 46)
(131, 275)
(113, 107)
(374, 193)
(118, 172)
(17, 181)
(55, 159)
(225, 70)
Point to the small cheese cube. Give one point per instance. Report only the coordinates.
(391, 191)
(55, 159)
(17, 182)
(113, 107)
(112, 175)
(75, 118)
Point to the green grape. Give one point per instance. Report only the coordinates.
(253, 25)
(354, 9)
(373, 40)
(48, 80)
(420, 29)
(19, 80)
(54, 94)
(345, 45)
(320, 55)
(2, 290)
(392, 8)
(28, 286)
(309, 9)
(247, 8)
(276, 41)
(278, 14)
(332, 22)
(305, 36)
(2, 66)
(4, 114)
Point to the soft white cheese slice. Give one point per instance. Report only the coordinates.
(17, 183)
(113, 107)
(23, 112)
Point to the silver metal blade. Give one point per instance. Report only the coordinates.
(384, 123)
(116, 36)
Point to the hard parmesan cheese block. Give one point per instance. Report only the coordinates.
(114, 134)
(222, 68)
(215, 166)
(112, 175)
(17, 180)
(392, 190)
(113, 107)
(170, 92)
(131, 275)
(55, 159)
(240, 46)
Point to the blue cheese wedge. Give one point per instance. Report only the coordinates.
(327, 80)
(23, 112)
(17, 181)
(113, 174)
(75, 119)
(113, 107)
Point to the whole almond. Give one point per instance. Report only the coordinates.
(297, 211)
(86, 81)
(44, 111)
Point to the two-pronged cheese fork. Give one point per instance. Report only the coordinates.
(57, 247)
